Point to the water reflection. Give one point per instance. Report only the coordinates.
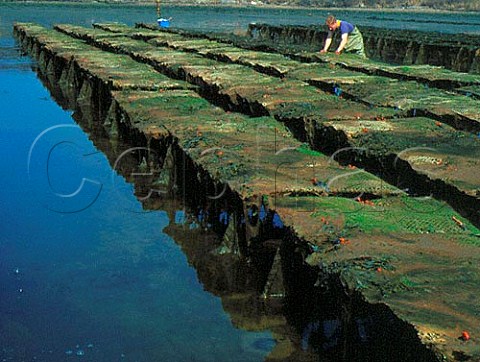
(102, 284)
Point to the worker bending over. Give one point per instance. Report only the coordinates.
(352, 40)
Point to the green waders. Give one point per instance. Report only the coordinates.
(355, 43)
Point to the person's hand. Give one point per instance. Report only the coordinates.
(338, 52)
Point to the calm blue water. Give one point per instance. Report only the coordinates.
(84, 273)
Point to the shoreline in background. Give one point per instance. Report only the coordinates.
(252, 4)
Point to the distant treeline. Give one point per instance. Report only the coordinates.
(407, 4)
(452, 5)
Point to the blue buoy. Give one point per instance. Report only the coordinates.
(163, 23)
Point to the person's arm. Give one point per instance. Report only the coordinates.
(328, 41)
(342, 43)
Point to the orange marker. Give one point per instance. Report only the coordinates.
(458, 222)
(465, 336)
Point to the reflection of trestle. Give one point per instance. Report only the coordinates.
(274, 287)
(160, 169)
(230, 241)
(153, 160)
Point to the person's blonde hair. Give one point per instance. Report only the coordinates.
(330, 20)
